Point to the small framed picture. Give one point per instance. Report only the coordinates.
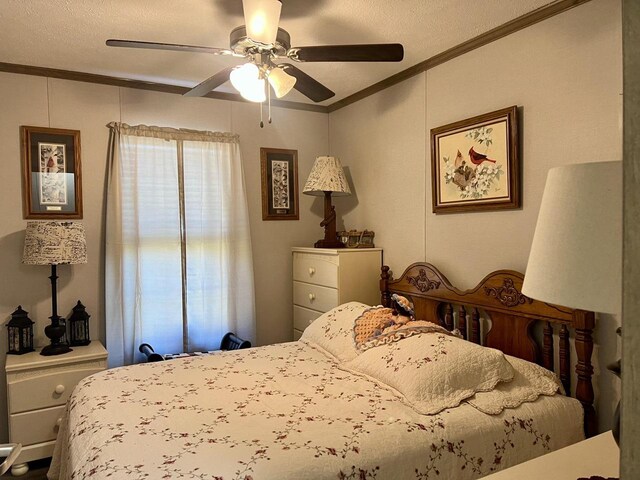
(51, 179)
(475, 165)
(366, 239)
(354, 239)
(279, 170)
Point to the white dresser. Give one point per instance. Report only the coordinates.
(37, 390)
(324, 278)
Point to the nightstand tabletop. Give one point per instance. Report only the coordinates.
(33, 360)
(598, 455)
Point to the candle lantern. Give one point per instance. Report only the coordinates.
(78, 327)
(20, 329)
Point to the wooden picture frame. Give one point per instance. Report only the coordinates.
(279, 171)
(475, 164)
(51, 173)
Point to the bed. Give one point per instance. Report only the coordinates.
(311, 410)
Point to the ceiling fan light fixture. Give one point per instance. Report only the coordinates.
(281, 81)
(254, 91)
(246, 80)
(261, 18)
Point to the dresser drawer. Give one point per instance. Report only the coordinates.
(35, 427)
(296, 334)
(45, 390)
(303, 317)
(317, 269)
(314, 297)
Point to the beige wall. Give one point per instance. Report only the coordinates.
(86, 107)
(565, 75)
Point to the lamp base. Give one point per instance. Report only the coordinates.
(55, 331)
(55, 349)
(328, 244)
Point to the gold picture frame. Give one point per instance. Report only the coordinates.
(475, 164)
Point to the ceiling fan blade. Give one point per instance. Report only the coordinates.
(112, 42)
(210, 83)
(261, 18)
(382, 52)
(307, 85)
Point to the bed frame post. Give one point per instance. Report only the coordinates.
(385, 296)
(585, 322)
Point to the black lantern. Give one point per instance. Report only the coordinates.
(20, 329)
(78, 327)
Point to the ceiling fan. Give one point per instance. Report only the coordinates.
(263, 43)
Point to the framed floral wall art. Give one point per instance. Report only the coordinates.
(279, 169)
(475, 165)
(51, 174)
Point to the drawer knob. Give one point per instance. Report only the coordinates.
(312, 297)
(59, 422)
(59, 389)
(311, 271)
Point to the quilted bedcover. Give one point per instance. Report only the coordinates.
(286, 412)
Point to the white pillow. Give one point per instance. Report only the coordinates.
(333, 331)
(433, 371)
(529, 382)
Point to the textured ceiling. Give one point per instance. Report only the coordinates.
(70, 34)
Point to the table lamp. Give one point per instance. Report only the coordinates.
(327, 178)
(576, 254)
(54, 243)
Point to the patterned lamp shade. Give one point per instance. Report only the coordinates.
(54, 243)
(327, 175)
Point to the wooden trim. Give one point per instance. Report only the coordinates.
(512, 26)
(142, 85)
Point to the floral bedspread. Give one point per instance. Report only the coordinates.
(286, 412)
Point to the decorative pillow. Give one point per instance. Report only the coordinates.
(378, 326)
(333, 331)
(403, 305)
(529, 382)
(433, 371)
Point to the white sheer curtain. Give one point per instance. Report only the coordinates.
(178, 271)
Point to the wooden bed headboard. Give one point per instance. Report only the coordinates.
(512, 317)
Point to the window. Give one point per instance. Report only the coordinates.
(178, 260)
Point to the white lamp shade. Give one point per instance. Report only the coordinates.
(261, 18)
(576, 255)
(246, 79)
(54, 243)
(281, 82)
(327, 175)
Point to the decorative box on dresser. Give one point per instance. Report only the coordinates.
(324, 278)
(37, 390)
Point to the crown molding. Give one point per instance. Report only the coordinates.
(512, 26)
(142, 85)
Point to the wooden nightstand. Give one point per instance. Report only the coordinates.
(37, 390)
(598, 455)
(324, 278)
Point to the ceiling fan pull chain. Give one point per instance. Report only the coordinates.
(261, 122)
(269, 97)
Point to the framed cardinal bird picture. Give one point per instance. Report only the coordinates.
(51, 180)
(475, 164)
